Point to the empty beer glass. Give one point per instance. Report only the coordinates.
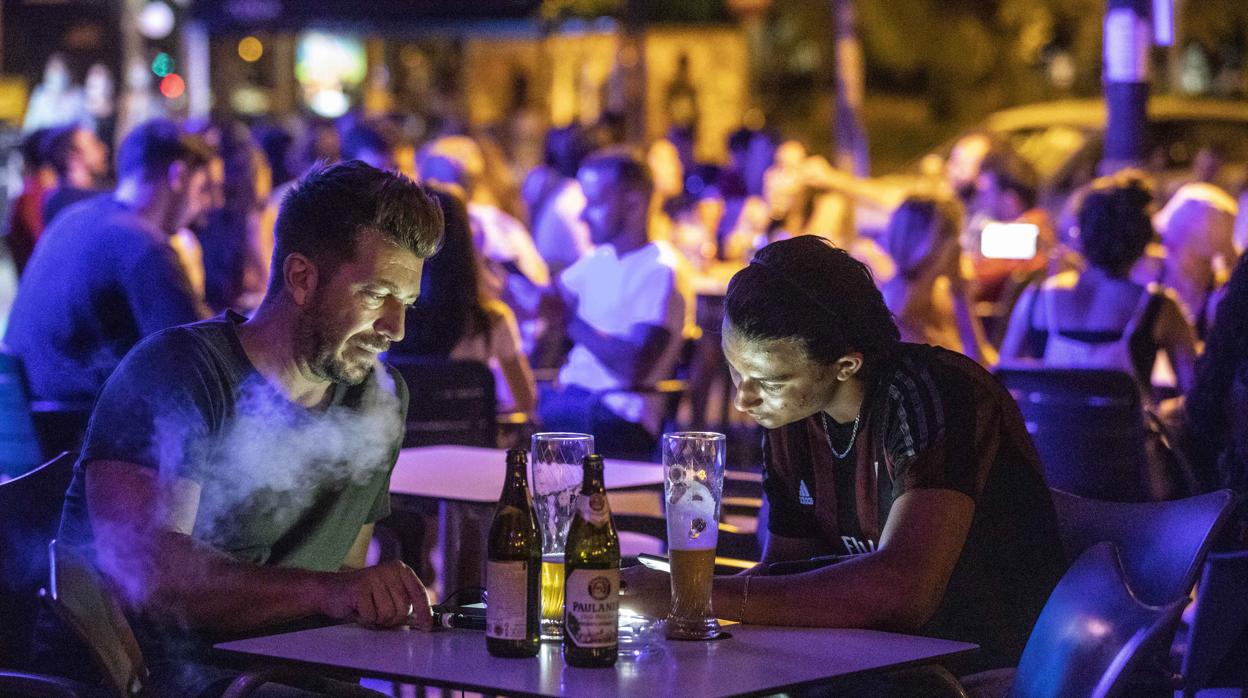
(694, 486)
(556, 476)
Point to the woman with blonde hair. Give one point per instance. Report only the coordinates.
(927, 295)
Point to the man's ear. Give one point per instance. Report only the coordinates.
(848, 366)
(300, 277)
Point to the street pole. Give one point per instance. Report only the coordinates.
(851, 137)
(632, 63)
(1128, 40)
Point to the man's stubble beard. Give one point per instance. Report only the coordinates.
(316, 340)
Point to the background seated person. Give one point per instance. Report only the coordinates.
(458, 318)
(1215, 433)
(927, 296)
(104, 274)
(234, 468)
(1005, 191)
(628, 306)
(1197, 228)
(910, 461)
(1099, 317)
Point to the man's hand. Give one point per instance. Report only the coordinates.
(385, 595)
(645, 591)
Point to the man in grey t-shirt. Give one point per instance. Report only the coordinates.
(234, 468)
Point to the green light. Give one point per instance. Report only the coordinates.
(162, 65)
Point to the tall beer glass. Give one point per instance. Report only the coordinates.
(556, 476)
(694, 487)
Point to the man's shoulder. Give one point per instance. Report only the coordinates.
(931, 377)
(184, 347)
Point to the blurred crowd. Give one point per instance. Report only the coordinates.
(550, 271)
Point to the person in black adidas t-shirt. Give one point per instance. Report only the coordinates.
(910, 461)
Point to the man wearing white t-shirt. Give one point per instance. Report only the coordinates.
(629, 303)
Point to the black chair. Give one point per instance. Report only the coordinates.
(19, 444)
(30, 511)
(1162, 544)
(1220, 621)
(1088, 425)
(1093, 635)
(32, 431)
(452, 402)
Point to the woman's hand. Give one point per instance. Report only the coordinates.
(645, 591)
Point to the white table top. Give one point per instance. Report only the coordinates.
(471, 474)
(756, 659)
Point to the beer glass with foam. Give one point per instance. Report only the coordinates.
(694, 486)
(555, 460)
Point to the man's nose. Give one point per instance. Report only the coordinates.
(745, 398)
(391, 322)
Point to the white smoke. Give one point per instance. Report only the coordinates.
(272, 456)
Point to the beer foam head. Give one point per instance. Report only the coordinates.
(691, 520)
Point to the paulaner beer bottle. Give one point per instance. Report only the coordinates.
(592, 583)
(514, 561)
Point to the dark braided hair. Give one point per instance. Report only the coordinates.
(808, 289)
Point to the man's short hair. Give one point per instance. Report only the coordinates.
(806, 288)
(153, 146)
(627, 167)
(1013, 173)
(59, 146)
(35, 149)
(323, 215)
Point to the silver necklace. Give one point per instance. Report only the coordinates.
(853, 434)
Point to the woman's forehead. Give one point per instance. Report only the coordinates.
(760, 353)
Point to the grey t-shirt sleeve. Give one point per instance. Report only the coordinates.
(157, 407)
(381, 505)
(159, 294)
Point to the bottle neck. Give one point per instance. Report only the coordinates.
(516, 486)
(593, 480)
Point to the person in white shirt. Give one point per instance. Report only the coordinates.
(628, 306)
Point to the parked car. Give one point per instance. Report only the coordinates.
(1065, 142)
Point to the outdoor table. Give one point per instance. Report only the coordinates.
(754, 660)
(465, 482)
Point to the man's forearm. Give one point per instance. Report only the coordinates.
(622, 355)
(857, 593)
(189, 582)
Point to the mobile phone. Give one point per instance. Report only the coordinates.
(1009, 240)
(655, 562)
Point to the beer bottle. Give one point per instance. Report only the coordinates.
(514, 561)
(592, 582)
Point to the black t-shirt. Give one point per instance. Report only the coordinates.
(280, 484)
(932, 419)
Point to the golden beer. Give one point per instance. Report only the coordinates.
(552, 587)
(693, 571)
(693, 487)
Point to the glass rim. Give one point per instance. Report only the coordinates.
(561, 436)
(703, 435)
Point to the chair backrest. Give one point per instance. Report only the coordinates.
(85, 605)
(1088, 425)
(30, 511)
(19, 443)
(1092, 633)
(452, 402)
(1162, 544)
(1220, 620)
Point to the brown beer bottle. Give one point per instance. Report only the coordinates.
(592, 580)
(514, 561)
